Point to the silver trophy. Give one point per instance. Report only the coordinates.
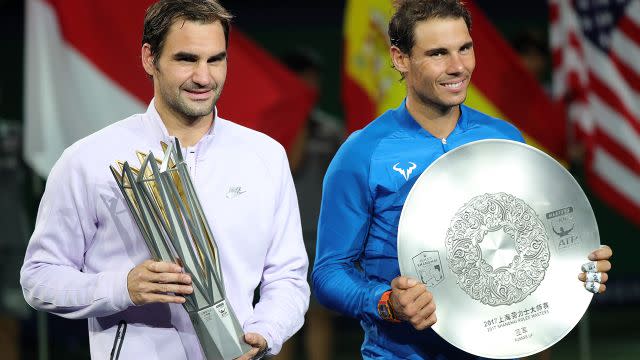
(165, 206)
(498, 230)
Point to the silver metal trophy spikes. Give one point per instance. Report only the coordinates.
(165, 206)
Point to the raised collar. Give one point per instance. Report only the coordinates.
(406, 120)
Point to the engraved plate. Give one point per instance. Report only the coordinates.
(511, 228)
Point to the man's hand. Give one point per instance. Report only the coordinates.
(594, 273)
(412, 302)
(258, 346)
(155, 281)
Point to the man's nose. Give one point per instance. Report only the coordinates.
(201, 75)
(456, 64)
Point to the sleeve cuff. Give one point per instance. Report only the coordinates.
(113, 287)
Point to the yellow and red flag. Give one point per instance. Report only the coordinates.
(500, 86)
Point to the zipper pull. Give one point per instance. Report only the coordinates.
(444, 141)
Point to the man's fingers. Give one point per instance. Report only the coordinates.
(596, 266)
(405, 292)
(595, 287)
(423, 298)
(423, 313)
(148, 298)
(403, 283)
(251, 339)
(412, 294)
(404, 301)
(162, 267)
(426, 323)
(410, 304)
(155, 281)
(147, 282)
(168, 278)
(258, 343)
(171, 288)
(603, 265)
(255, 340)
(594, 277)
(603, 253)
(249, 354)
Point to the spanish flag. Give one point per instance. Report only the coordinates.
(500, 85)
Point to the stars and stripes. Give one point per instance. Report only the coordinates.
(596, 47)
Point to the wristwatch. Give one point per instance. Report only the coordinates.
(385, 310)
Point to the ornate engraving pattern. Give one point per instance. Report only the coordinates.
(508, 284)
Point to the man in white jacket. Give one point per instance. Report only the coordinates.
(87, 259)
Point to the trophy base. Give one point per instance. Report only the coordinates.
(220, 334)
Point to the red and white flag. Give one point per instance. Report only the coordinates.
(596, 59)
(83, 72)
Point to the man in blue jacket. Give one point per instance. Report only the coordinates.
(356, 270)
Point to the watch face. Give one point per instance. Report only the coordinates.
(383, 309)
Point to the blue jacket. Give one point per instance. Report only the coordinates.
(364, 190)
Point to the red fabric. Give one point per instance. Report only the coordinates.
(262, 94)
(359, 108)
(501, 77)
(109, 34)
(259, 92)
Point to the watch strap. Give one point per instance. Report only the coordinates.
(385, 309)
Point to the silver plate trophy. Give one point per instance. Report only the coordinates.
(164, 204)
(498, 231)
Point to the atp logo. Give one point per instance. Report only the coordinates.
(563, 224)
(562, 232)
(406, 173)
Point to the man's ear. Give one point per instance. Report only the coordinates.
(147, 59)
(400, 59)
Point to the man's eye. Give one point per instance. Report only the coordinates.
(217, 59)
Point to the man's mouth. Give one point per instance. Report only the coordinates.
(454, 85)
(199, 94)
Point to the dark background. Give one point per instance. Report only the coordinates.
(612, 318)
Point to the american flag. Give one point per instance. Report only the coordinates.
(596, 70)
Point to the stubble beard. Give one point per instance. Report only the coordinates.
(191, 110)
(439, 104)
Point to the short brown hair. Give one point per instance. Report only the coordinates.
(410, 12)
(162, 14)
